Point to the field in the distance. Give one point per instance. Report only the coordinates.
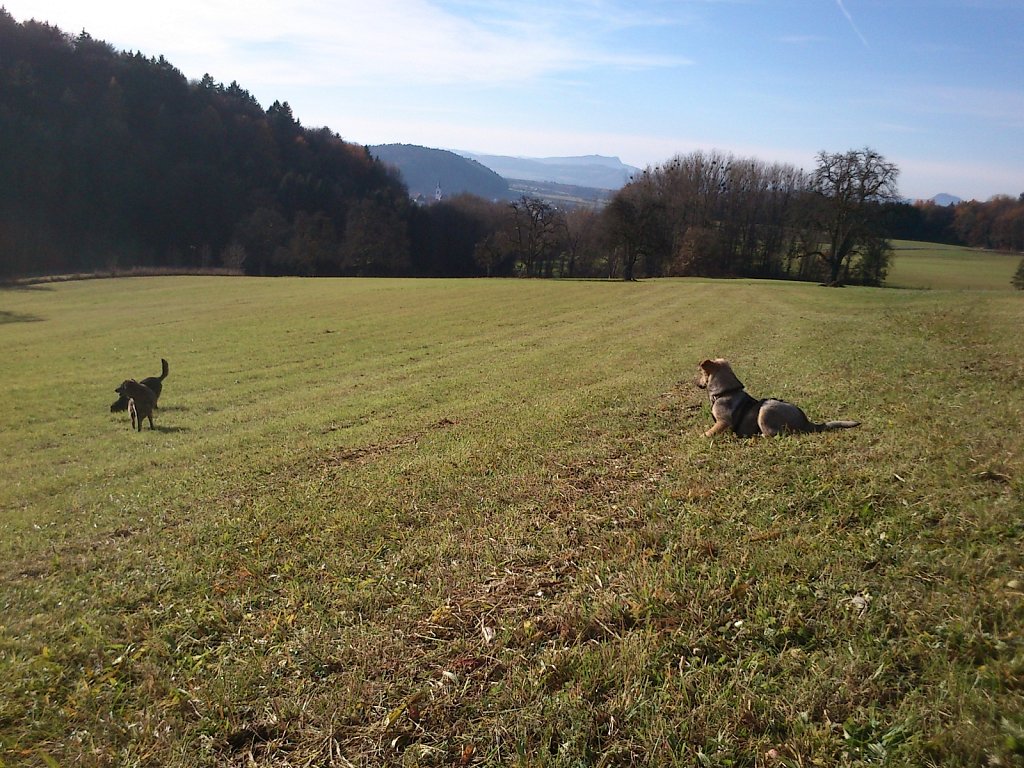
(476, 523)
(933, 265)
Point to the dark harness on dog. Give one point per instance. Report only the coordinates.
(741, 409)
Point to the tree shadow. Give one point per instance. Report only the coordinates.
(17, 317)
(24, 287)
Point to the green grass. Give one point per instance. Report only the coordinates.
(476, 523)
(932, 265)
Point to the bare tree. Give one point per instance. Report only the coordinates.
(579, 226)
(718, 215)
(635, 223)
(850, 187)
(534, 233)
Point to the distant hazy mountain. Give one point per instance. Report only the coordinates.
(593, 171)
(424, 170)
(945, 199)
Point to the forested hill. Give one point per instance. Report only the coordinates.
(424, 170)
(111, 159)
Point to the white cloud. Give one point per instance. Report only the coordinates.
(355, 43)
(537, 77)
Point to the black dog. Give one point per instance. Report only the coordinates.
(153, 383)
(141, 402)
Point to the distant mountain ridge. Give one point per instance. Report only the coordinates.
(584, 179)
(944, 198)
(426, 170)
(595, 171)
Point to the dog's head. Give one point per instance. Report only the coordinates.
(132, 388)
(716, 376)
(125, 386)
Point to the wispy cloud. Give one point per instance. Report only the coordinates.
(355, 43)
(546, 77)
(853, 24)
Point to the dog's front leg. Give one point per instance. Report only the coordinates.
(719, 426)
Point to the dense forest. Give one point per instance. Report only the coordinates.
(111, 161)
(114, 159)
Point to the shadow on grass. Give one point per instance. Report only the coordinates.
(171, 430)
(164, 430)
(16, 286)
(17, 317)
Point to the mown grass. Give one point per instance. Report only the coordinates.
(950, 267)
(476, 523)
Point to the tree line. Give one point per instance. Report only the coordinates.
(112, 160)
(713, 214)
(997, 224)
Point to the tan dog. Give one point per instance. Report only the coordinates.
(141, 402)
(734, 409)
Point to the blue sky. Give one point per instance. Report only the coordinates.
(936, 86)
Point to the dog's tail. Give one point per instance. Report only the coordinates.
(133, 412)
(829, 425)
(165, 369)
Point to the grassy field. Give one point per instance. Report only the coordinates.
(476, 523)
(932, 265)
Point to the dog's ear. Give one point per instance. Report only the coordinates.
(708, 366)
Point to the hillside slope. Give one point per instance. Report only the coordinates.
(112, 160)
(424, 170)
(593, 171)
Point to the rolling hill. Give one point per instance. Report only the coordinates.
(595, 171)
(424, 170)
